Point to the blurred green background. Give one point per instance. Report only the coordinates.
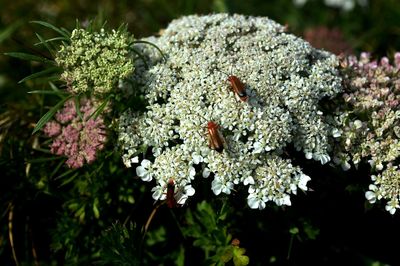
(336, 231)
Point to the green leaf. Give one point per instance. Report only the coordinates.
(238, 258)
(41, 160)
(180, 259)
(57, 168)
(294, 230)
(6, 33)
(69, 180)
(78, 106)
(43, 41)
(62, 32)
(99, 109)
(227, 255)
(47, 92)
(49, 114)
(29, 57)
(40, 74)
(95, 209)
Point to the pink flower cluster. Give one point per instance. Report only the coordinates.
(369, 122)
(374, 85)
(76, 136)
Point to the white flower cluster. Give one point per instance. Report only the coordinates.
(284, 78)
(345, 5)
(386, 186)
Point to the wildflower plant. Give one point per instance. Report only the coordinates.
(89, 65)
(284, 77)
(369, 123)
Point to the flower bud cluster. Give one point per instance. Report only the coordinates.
(95, 61)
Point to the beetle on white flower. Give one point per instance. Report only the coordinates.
(284, 78)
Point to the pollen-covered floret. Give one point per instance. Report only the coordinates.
(95, 61)
(284, 77)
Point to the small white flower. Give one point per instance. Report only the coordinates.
(303, 181)
(255, 202)
(257, 146)
(379, 166)
(370, 196)
(158, 192)
(197, 158)
(309, 155)
(135, 159)
(248, 180)
(336, 133)
(345, 165)
(284, 201)
(206, 172)
(142, 171)
(323, 158)
(181, 197)
(218, 186)
(357, 124)
(390, 208)
(192, 172)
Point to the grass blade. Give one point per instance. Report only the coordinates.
(47, 45)
(51, 40)
(152, 44)
(40, 74)
(52, 27)
(47, 92)
(99, 109)
(141, 57)
(6, 33)
(29, 57)
(49, 115)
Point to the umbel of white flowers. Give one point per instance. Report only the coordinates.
(283, 76)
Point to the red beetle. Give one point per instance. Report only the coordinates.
(215, 139)
(238, 88)
(171, 201)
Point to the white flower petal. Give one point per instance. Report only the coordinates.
(147, 177)
(192, 172)
(216, 186)
(145, 163)
(370, 196)
(248, 180)
(257, 147)
(206, 172)
(189, 190)
(197, 158)
(390, 209)
(141, 171)
(157, 192)
(303, 182)
(135, 159)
